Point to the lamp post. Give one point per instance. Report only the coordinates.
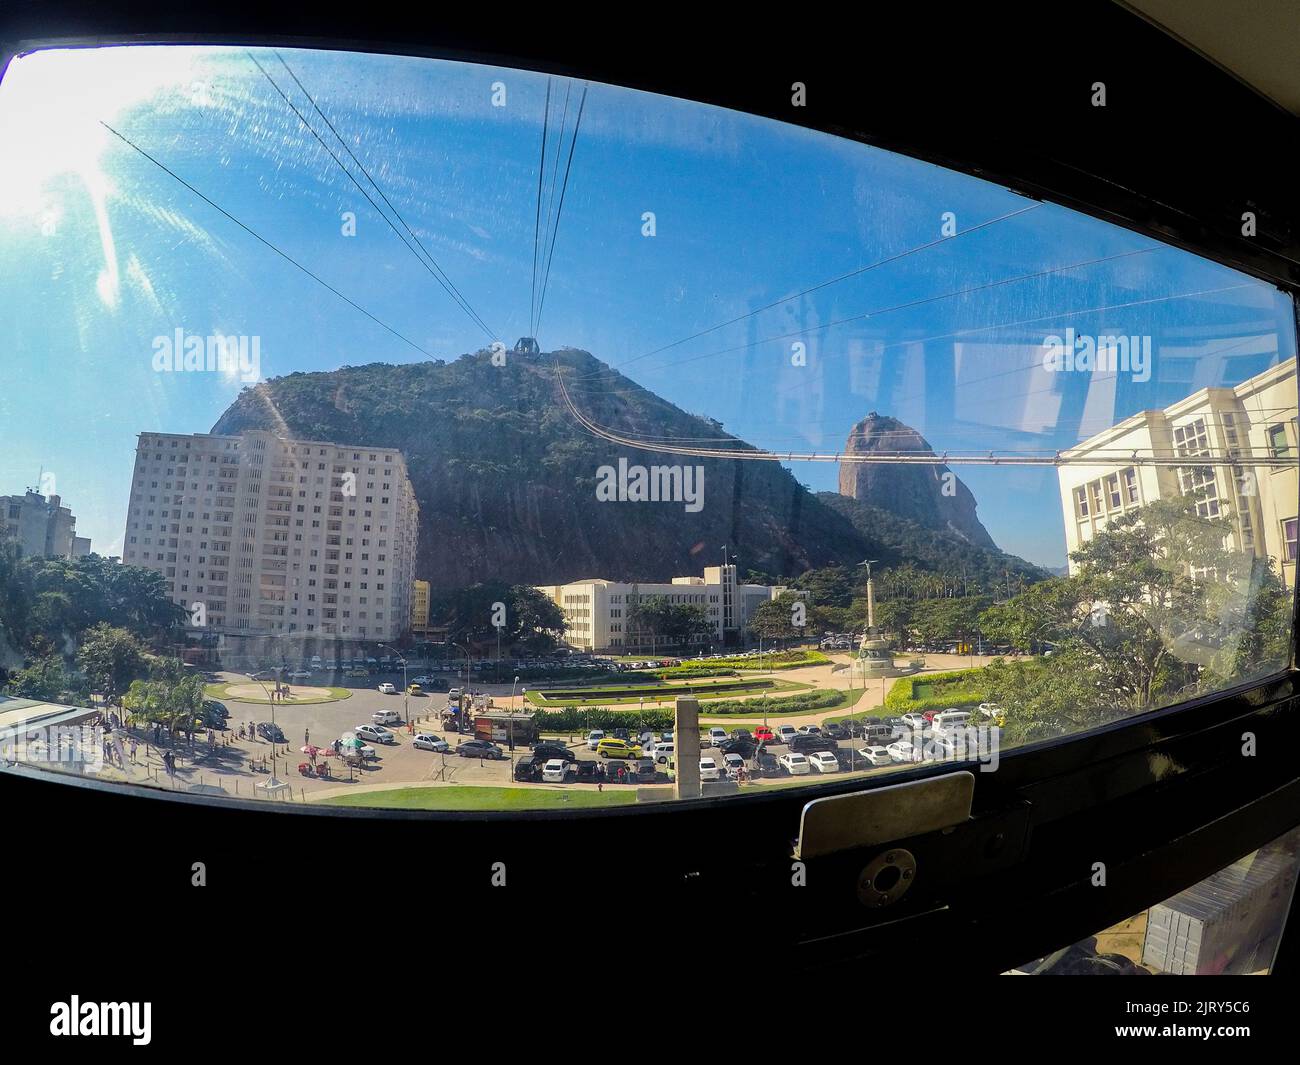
(406, 694)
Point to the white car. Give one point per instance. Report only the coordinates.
(903, 751)
(387, 689)
(386, 717)
(554, 771)
(717, 736)
(785, 733)
(732, 764)
(824, 762)
(422, 680)
(375, 734)
(299, 674)
(594, 737)
(810, 730)
(950, 723)
(709, 769)
(426, 741)
(916, 722)
(795, 764)
(876, 755)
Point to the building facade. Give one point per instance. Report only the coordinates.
(1256, 417)
(260, 535)
(597, 610)
(419, 608)
(41, 526)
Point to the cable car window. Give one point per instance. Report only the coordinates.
(410, 433)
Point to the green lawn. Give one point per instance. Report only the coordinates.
(465, 797)
(847, 698)
(702, 689)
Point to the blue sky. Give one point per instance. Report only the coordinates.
(101, 252)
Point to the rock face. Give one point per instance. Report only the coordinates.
(916, 492)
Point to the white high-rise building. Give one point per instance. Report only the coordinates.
(1255, 417)
(260, 535)
(42, 526)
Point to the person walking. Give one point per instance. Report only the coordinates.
(306, 737)
(134, 747)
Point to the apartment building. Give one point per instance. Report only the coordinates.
(1254, 418)
(419, 608)
(260, 535)
(597, 609)
(42, 526)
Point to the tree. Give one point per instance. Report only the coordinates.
(535, 620)
(177, 705)
(44, 679)
(657, 618)
(111, 658)
(774, 620)
(1157, 609)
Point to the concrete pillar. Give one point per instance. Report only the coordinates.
(686, 740)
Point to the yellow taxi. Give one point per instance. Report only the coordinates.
(613, 747)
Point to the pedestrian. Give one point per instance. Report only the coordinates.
(306, 737)
(134, 747)
(600, 786)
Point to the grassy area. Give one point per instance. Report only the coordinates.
(658, 693)
(937, 691)
(466, 797)
(219, 691)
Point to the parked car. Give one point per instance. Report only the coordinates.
(269, 732)
(903, 751)
(875, 755)
(765, 765)
(709, 769)
(948, 722)
(375, 734)
(616, 772)
(835, 730)
(528, 769)
(358, 671)
(386, 717)
(742, 734)
(763, 734)
(660, 751)
(300, 674)
(551, 749)
(732, 764)
(555, 771)
(588, 772)
(717, 736)
(806, 743)
(414, 689)
(643, 771)
(810, 730)
(742, 746)
(785, 733)
(423, 679)
(795, 764)
(215, 714)
(824, 762)
(427, 741)
(593, 738)
(387, 689)
(480, 749)
(612, 747)
(916, 722)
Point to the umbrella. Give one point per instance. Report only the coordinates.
(311, 749)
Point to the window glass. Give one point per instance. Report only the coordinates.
(349, 396)
(1229, 924)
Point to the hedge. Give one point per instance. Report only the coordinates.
(957, 688)
(580, 719)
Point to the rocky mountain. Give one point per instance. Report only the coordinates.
(931, 495)
(508, 482)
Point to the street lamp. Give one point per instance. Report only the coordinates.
(406, 693)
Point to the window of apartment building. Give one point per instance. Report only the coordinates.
(1289, 539)
(1278, 444)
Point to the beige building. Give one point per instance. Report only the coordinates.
(597, 609)
(259, 535)
(419, 608)
(42, 526)
(1254, 418)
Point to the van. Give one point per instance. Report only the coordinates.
(948, 721)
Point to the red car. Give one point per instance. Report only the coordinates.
(929, 715)
(763, 734)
